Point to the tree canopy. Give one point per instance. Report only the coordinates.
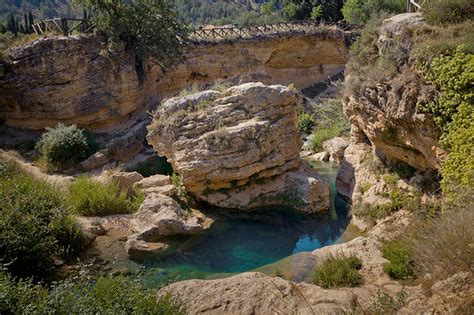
(151, 27)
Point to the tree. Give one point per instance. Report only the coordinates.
(316, 12)
(150, 27)
(360, 11)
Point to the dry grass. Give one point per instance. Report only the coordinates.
(445, 246)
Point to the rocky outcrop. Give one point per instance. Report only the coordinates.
(239, 148)
(387, 111)
(81, 80)
(335, 147)
(156, 184)
(160, 216)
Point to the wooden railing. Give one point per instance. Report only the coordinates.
(69, 26)
(236, 32)
(64, 26)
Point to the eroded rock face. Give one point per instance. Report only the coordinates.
(80, 80)
(160, 216)
(388, 111)
(239, 148)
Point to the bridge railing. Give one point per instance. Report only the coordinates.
(239, 32)
(64, 26)
(69, 26)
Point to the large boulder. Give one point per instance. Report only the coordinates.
(239, 148)
(160, 216)
(335, 147)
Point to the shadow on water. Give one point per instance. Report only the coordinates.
(236, 244)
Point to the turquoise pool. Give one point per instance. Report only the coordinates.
(236, 244)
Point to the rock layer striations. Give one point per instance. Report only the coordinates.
(239, 148)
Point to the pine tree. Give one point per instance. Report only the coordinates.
(27, 27)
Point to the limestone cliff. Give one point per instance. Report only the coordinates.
(79, 80)
(239, 148)
(386, 116)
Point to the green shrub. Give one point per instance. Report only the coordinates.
(453, 111)
(448, 11)
(329, 121)
(401, 263)
(105, 295)
(90, 198)
(360, 11)
(64, 146)
(34, 226)
(154, 165)
(305, 122)
(338, 271)
(383, 303)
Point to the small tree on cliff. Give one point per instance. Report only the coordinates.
(150, 27)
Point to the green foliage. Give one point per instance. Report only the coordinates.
(105, 295)
(361, 11)
(329, 122)
(453, 111)
(383, 303)
(90, 198)
(338, 271)
(153, 166)
(448, 11)
(64, 146)
(176, 181)
(401, 264)
(305, 122)
(34, 225)
(293, 10)
(136, 23)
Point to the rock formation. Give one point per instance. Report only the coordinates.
(80, 80)
(239, 148)
(388, 124)
(387, 112)
(160, 216)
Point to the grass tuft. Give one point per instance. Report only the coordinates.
(338, 271)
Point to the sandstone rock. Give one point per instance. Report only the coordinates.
(256, 293)
(336, 147)
(239, 148)
(158, 184)
(321, 156)
(160, 216)
(78, 80)
(387, 112)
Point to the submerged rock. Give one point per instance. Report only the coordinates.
(160, 216)
(239, 148)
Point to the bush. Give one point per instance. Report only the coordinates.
(453, 112)
(305, 122)
(443, 246)
(359, 12)
(64, 146)
(330, 122)
(338, 271)
(106, 295)
(34, 226)
(448, 11)
(90, 198)
(401, 264)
